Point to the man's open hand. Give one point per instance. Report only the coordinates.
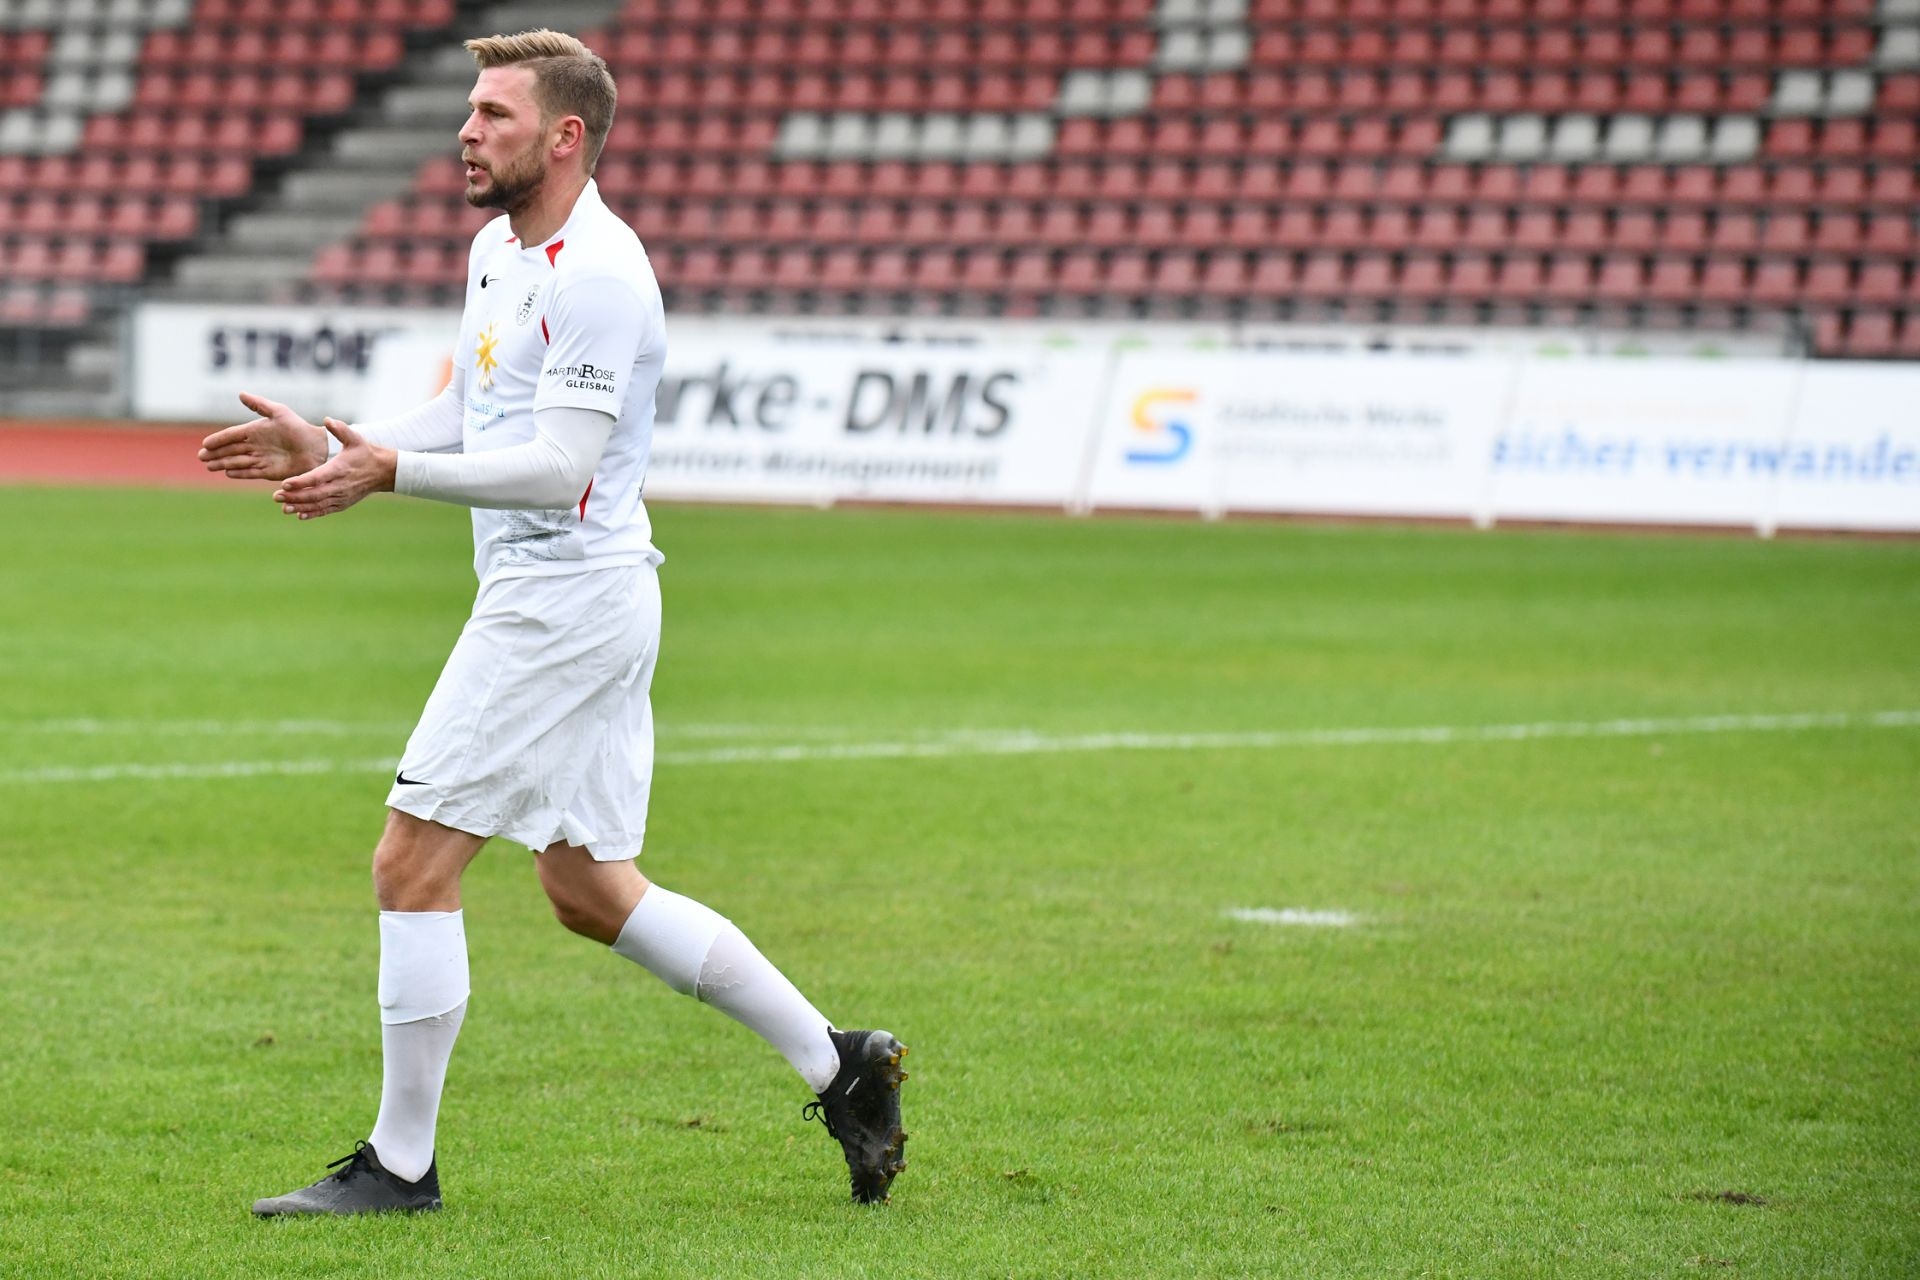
(277, 445)
(350, 475)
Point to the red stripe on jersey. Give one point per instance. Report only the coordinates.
(553, 251)
(583, 500)
(543, 331)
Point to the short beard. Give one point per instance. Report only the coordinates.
(513, 186)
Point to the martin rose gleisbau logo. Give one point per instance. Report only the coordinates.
(585, 377)
(1164, 435)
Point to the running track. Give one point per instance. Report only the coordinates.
(110, 453)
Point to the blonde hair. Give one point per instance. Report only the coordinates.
(569, 79)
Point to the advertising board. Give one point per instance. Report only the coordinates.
(800, 423)
(192, 361)
(1253, 431)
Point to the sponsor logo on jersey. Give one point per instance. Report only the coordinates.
(485, 355)
(525, 313)
(585, 377)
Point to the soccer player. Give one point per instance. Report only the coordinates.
(539, 728)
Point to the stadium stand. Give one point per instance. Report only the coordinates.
(1705, 163)
(1697, 161)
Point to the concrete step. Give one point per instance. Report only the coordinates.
(396, 145)
(433, 106)
(555, 15)
(239, 277)
(66, 402)
(97, 363)
(342, 190)
(290, 231)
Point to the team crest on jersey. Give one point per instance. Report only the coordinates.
(525, 313)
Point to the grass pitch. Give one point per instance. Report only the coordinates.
(1613, 1003)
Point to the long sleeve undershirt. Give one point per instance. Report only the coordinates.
(435, 427)
(551, 470)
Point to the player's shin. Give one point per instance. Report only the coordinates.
(699, 952)
(423, 999)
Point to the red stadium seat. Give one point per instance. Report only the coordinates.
(1031, 273)
(1828, 280)
(1684, 231)
(1724, 279)
(1472, 277)
(1224, 276)
(1568, 277)
(1775, 282)
(1273, 275)
(1669, 280)
(1519, 277)
(1884, 282)
(984, 271)
(1871, 335)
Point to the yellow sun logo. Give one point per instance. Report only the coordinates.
(483, 358)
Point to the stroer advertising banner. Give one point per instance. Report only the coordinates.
(191, 362)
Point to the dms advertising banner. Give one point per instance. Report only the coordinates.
(1248, 431)
(190, 363)
(802, 423)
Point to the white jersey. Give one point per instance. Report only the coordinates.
(574, 322)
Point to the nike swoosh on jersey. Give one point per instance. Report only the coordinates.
(403, 780)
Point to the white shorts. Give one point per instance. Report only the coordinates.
(539, 728)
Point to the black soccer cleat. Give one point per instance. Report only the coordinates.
(362, 1185)
(862, 1109)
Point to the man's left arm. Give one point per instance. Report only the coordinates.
(550, 470)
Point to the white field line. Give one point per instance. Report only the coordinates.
(88, 726)
(1020, 742)
(1293, 916)
(1025, 742)
(178, 772)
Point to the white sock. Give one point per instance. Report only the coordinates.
(423, 999)
(698, 952)
(413, 1068)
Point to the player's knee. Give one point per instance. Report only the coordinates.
(582, 917)
(403, 881)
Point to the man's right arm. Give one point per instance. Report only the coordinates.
(280, 444)
(438, 426)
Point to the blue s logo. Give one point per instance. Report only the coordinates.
(1164, 438)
